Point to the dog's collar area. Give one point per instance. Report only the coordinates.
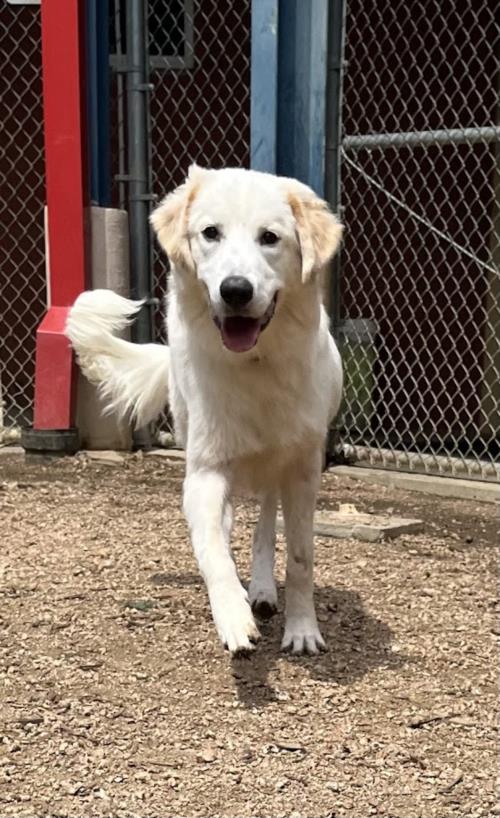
(240, 333)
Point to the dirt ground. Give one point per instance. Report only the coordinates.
(117, 699)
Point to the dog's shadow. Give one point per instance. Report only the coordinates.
(356, 644)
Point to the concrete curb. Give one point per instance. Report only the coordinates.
(476, 490)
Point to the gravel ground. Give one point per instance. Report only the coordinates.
(117, 699)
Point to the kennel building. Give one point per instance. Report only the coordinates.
(389, 110)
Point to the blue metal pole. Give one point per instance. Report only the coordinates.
(264, 85)
(302, 56)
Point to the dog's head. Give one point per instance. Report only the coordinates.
(249, 237)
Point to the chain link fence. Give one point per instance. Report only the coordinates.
(23, 283)
(421, 267)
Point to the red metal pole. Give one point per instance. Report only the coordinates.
(63, 68)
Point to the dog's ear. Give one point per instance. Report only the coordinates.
(170, 220)
(318, 229)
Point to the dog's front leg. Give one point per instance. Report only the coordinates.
(298, 496)
(208, 511)
(262, 590)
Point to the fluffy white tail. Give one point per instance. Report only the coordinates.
(132, 378)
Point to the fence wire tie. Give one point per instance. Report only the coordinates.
(417, 216)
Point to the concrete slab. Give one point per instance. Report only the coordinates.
(11, 451)
(348, 522)
(476, 490)
(168, 454)
(367, 527)
(106, 457)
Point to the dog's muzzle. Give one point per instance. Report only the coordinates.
(240, 333)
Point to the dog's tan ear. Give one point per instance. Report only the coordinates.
(319, 231)
(170, 220)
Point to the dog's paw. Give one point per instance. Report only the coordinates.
(302, 636)
(234, 622)
(264, 600)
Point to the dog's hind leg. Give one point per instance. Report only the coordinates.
(299, 490)
(208, 511)
(262, 590)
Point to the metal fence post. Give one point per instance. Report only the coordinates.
(139, 197)
(98, 102)
(336, 32)
(139, 176)
(333, 136)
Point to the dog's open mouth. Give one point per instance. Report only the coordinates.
(240, 333)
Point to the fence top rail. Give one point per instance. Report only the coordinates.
(457, 136)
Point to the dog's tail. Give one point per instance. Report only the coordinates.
(132, 378)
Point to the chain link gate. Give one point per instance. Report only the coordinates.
(421, 267)
(23, 282)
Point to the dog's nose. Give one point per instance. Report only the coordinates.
(236, 291)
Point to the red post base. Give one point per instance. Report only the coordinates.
(55, 374)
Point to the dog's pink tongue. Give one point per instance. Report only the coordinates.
(240, 334)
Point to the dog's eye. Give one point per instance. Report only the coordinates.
(211, 233)
(269, 238)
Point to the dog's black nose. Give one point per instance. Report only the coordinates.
(236, 291)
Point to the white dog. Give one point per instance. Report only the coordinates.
(251, 374)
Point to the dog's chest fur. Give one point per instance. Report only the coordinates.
(276, 400)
